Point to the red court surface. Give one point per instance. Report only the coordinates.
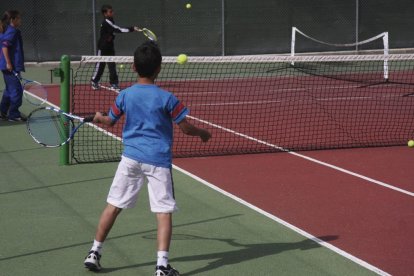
(374, 223)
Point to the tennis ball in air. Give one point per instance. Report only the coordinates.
(121, 66)
(410, 143)
(188, 6)
(182, 58)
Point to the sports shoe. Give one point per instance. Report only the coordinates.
(95, 85)
(166, 271)
(18, 119)
(92, 261)
(115, 86)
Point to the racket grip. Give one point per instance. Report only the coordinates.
(88, 119)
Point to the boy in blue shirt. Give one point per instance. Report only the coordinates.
(147, 137)
(11, 59)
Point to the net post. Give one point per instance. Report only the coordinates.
(64, 102)
(386, 52)
(292, 44)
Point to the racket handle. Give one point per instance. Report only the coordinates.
(88, 119)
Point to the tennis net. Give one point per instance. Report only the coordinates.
(256, 104)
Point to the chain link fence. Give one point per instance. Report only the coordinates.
(210, 27)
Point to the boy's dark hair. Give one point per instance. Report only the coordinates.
(105, 8)
(147, 59)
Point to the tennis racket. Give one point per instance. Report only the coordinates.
(34, 92)
(51, 127)
(148, 33)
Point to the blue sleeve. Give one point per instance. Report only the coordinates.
(117, 109)
(176, 109)
(7, 38)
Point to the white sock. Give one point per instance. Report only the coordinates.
(162, 258)
(97, 246)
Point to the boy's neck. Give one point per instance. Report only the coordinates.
(145, 80)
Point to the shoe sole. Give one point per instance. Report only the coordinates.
(92, 267)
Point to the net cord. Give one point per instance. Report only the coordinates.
(257, 58)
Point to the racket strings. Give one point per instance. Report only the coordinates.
(35, 93)
(149, 34)
(49, 128)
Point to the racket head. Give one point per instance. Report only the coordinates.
(149, 34)
(49, 127)
(35, 93)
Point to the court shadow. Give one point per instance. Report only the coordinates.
(248, 252)
(36, 148)
(56, 185)
(4, 123)
(144, 232)
(240, 253)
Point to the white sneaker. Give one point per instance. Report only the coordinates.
(115, 87)
(166, 271)
(95, 85)
(92, 261)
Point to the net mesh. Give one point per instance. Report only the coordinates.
(255, 104)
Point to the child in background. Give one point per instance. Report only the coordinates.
(11, 62)
(106, 47)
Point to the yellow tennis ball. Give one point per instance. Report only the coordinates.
(410, 143)
(121, 66)
(182, 58)
(188, 6)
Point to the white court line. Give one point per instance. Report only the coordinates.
(296, 89)
(104, 131)
(281, 221)
(286, 224)
(284, 101)
(383, 184)
(296, 101)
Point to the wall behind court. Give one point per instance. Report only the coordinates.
(211, 27)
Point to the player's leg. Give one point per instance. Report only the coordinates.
(164, 231)
(5, 100)
(161, 194)
(107, 220)
(113, 75)
(15, 92)
(123, 194)
(99, 69)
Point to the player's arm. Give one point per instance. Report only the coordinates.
(9, 66)
(114, 114)
(118, 29)
(189, 129)
(5, 49)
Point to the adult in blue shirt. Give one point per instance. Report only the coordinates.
(147, 136)
(11, 60)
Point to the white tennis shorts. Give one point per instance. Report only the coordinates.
(128, 180)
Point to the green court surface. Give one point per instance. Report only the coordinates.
(49, 214)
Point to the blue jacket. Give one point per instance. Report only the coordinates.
(12, 39)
